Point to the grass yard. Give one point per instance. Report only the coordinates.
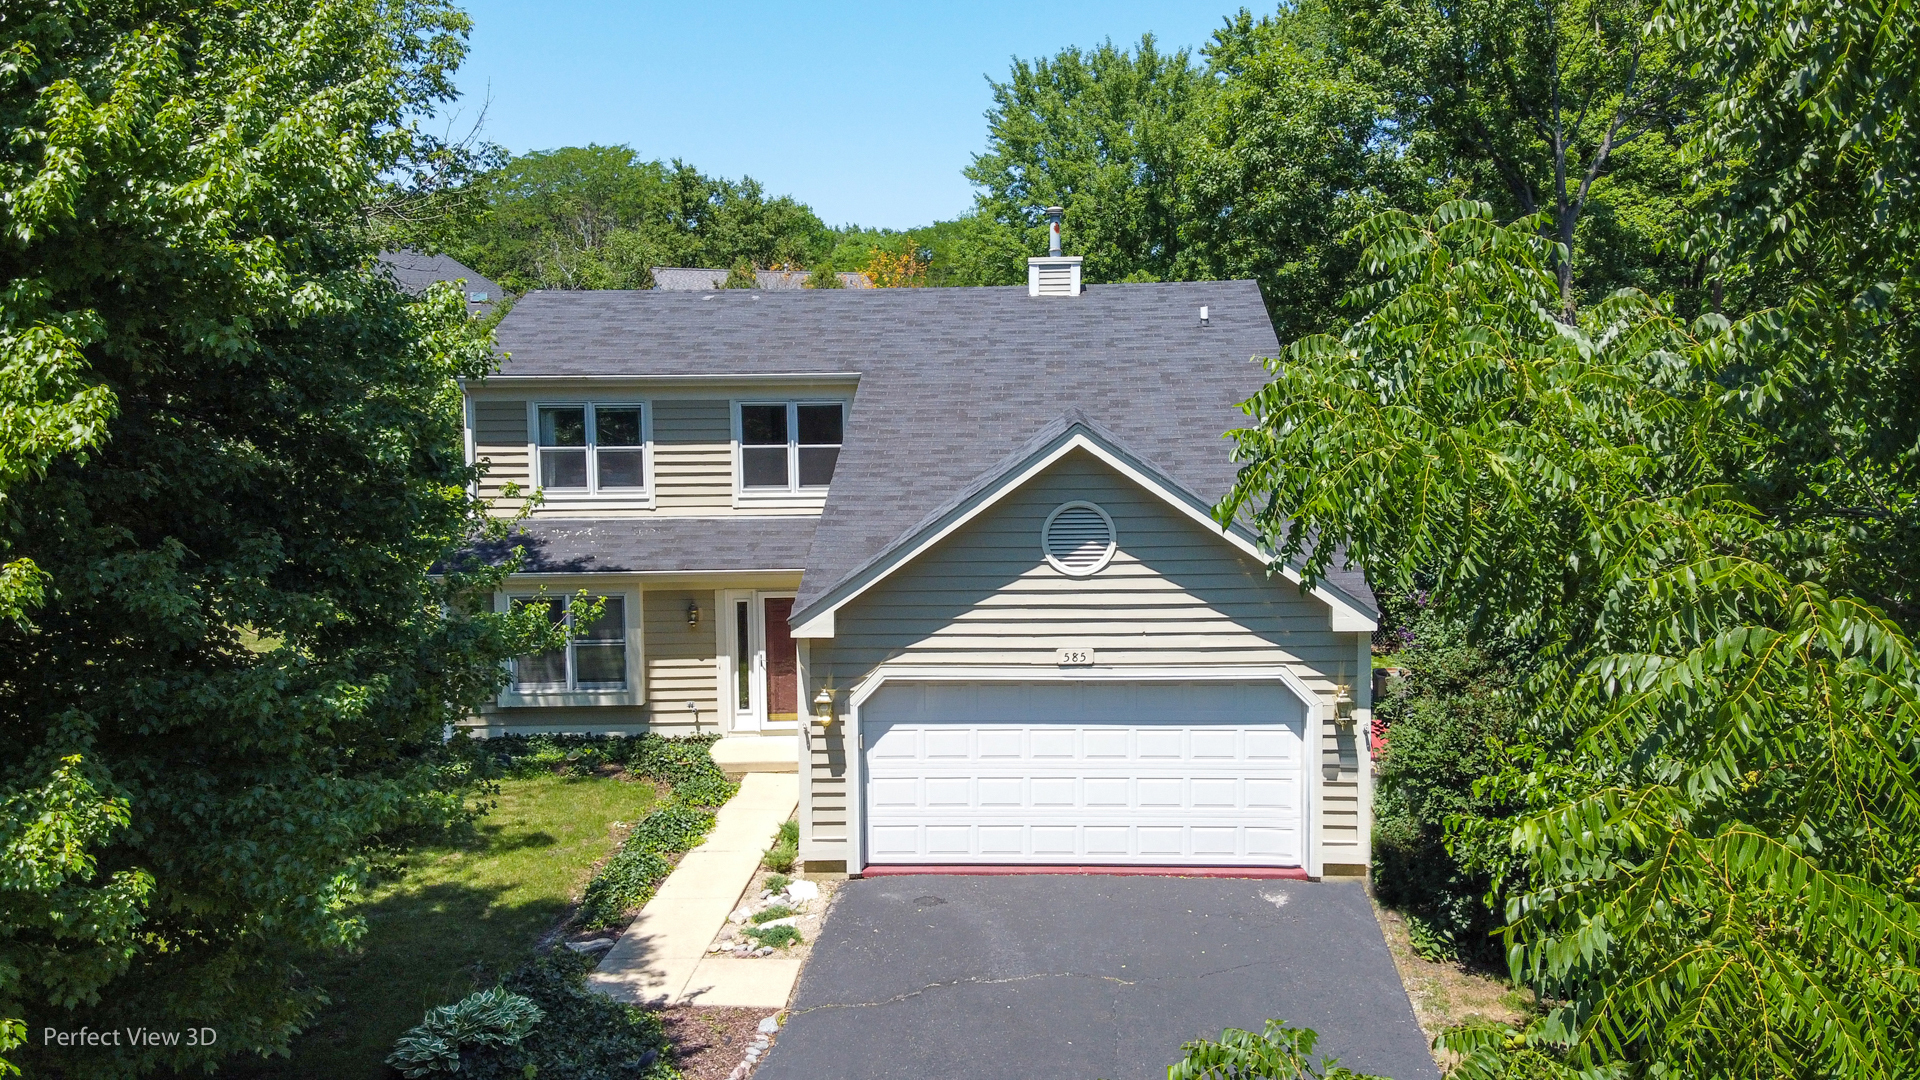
(459, 919)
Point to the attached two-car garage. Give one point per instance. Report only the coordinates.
(1193, 773)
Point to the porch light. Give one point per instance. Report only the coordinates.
(823, 706)
(693, 614)
(1343, 705)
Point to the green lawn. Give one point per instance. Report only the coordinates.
(459, 919)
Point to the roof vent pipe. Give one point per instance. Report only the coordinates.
(1053, 274)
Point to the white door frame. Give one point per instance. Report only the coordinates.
(754, 717)
(885, 673)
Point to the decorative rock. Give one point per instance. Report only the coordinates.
(766, 950)
(596, 945)
(786, 921)
(802, 891)
(740, 914)
(769, 1025)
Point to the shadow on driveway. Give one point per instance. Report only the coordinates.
(1088, 978)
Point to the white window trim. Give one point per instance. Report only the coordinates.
(618, 499)
(635, 691)
(793, 495)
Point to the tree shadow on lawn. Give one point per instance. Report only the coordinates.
(424, 947)
(458, 916)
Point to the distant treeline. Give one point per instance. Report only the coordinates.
(1252, 159)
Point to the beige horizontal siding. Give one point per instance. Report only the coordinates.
(597, 719)
(827, 808)
(681, 661)
(1175, 595)
(500, 445)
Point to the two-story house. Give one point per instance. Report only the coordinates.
(947, 552)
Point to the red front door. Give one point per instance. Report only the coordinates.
(783, 663)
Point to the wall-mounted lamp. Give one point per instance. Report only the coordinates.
(693, 614)
(823, 706)
(694, 708)
(1343, 705)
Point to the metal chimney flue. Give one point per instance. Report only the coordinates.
(1053, 274)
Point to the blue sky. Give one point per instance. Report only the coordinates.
(866, 112)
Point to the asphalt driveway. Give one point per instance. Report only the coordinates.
(1087, 978)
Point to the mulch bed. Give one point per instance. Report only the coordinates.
(708, 1041)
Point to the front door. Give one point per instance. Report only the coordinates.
(764, 662)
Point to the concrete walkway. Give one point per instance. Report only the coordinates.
(662, 958)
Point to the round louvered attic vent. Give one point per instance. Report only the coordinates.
(1078, 539)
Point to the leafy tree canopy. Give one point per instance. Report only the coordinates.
(1701, 520)
(232, 456)
(599, 217)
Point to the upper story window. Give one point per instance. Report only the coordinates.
(593, 447)
(788, 446)
(596, 658)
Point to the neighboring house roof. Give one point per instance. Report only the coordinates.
(954, 384)
(696, 279)
(413, 272)
(670, 545)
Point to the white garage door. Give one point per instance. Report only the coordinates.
(1183, 774)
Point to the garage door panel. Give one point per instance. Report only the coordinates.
(1164, 791)
(1105, 772)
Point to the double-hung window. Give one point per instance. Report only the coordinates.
(593, 447)
(596, 658)
(789, 446)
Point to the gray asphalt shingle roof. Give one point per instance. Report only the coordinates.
(952, 381)
(413, 272)
(615, 545)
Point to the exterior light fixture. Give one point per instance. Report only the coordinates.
(823, 706)
(693, 614)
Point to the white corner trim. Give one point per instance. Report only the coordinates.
(1346, 618)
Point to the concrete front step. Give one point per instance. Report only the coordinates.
(751, 753)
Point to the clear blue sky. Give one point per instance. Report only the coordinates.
(866, 112)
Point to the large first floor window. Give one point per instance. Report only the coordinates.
(789, 445)
(596, 658)
(592, 447)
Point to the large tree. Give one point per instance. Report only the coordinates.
(1702, 522)
(1292, 152)
(1530, 104)
(1105, 133)
(233, 457)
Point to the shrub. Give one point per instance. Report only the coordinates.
(1280, 1052)
(777, 883)
(584, 1036)
(771, 912)
(786, 848)
(777, 936)
(633, 874)
(488, 1018)
(1449, 723)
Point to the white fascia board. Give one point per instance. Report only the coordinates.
(1345, 616)
(820, 626)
